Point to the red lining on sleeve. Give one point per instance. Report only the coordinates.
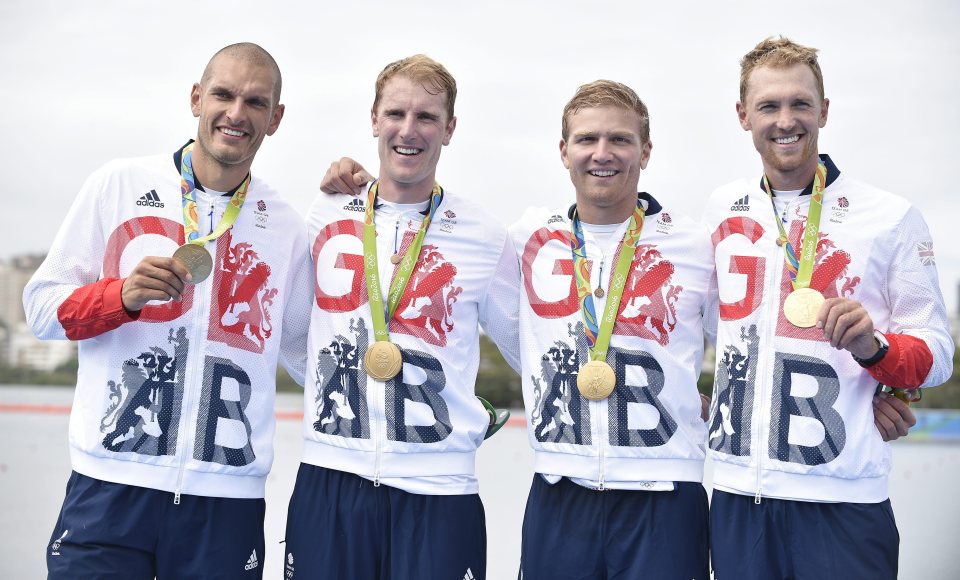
(94, 309)
(907, 363)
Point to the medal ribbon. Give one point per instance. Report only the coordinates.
(188, 187)
(598, 338)
(372, 272)
(800, 264)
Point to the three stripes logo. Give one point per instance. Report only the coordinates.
(150, 199)
(252, 561)
(742, 204)
(469, 575)
(356, 204)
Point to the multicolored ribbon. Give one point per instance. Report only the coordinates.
(188, 187)
(800, 264)
(598, 335)
(371, 270)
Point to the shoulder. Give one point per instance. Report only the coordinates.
(161, 163)
(459, 209)
(876, 197)
(534, 218)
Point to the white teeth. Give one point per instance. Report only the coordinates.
(605, 173)
(232, 132)
(787, 140)
(406, 150)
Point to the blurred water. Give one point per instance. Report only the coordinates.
(34, 466)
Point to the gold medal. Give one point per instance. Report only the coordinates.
(383, 360)
(802, 306)
(599, 292)
(596, 380)
(196, 259)
(395, 259)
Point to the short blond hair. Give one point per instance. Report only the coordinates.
(432, 75)
(604, 93)
(778, 53)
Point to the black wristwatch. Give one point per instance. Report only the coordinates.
(884, 347)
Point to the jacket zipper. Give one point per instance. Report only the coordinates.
(199, 295)
(773, 282)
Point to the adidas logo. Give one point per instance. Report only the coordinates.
(252, 561)
(55, 547)
(742, 204)
(554, 219)
(469, 575)
(355, 204)
(150, 199)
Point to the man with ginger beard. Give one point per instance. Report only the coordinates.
(387, 485)
(826, 296)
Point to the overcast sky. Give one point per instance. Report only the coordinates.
(85, 82)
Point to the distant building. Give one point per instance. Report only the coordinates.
(18, 346)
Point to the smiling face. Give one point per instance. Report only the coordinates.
(411, 126)
(784, 111)
(236, 104)
(605, 153)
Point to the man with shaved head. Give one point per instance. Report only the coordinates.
(185, 280)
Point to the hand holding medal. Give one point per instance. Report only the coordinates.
(154, 279)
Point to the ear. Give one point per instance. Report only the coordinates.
(373, 123)
(822, 121)
(195, 93)
(742, 115)
(645, 154)
(449, 132)
(563, 153)
(277, 117)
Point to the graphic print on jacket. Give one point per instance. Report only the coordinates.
(241, 313)
(146, 402)
(736, 377)
(647, 311)
(558, 411)
(426, 308)
(425, 311)
(240, 316)
(809, 413)
(341, 396)
(145, 407)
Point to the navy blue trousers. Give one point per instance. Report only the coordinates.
(576, 533)
(800, 540)
(113, 531)
(339, 525)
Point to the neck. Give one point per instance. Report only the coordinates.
(592, 213)
(394, 192)
(216, 175)
(798, 178)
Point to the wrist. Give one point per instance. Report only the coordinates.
(883, 346)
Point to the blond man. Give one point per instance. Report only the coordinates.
(828, 288)
(405, 272)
